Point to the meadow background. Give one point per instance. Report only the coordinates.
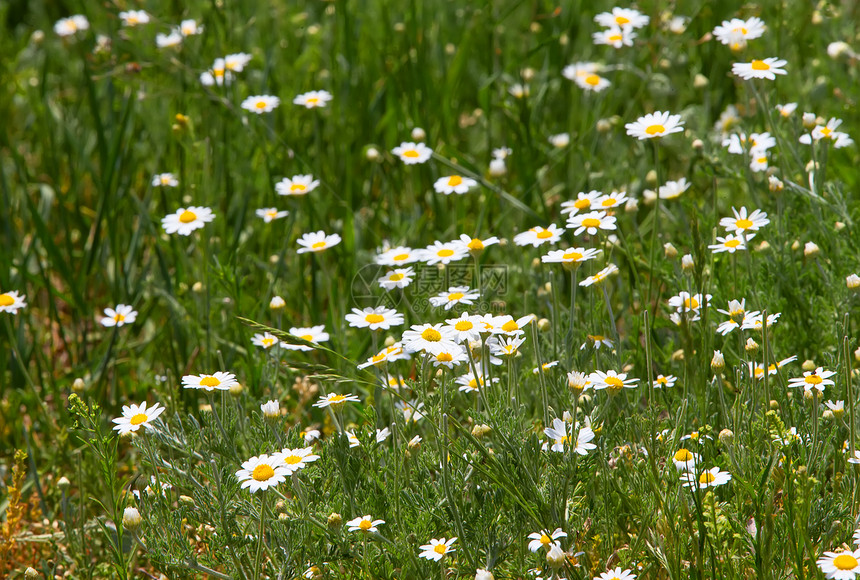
(89, 119)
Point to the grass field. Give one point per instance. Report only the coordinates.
(402, 290)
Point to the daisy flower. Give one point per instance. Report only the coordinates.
(610, 200)
(313, 99)
(759, 69)
(685, 460)
(656, 124)
(168, 40)
(665, 381)
(333, 400)
(817, 379)
(123, 314)
(505, 346)
(353, 440)
(476, 245)
(236, 62)
(411, 410)
(269, 214)
(559, 141)
(316, 242)
(709, 478)
(538, 235)
(673, 189)
(786, 110)
(296, 185)
(314, 334)
(735, 32)
(261, 104)
(397, 256)
(382, 435)
(465, 328)
(753, 320)
(511, 326)
(583, 202)
(374, 318)
(185, 221)
(364, 524)
(614, 37)
(310, 435)
(399, 278)
(437, 549)
(617, 574)
(425, 337)
(136, 416)
(844, 565)
(579, 69)
(684, 302)
(743, 223)
(262, 472)
(448, 354)
(600, 276)
(758, 370)
(591, 222)
(134, 17)
(443, 252)
(221, 381)
(827, 131)
(454, 184)
(296, 459)
(837, 408)
(271, 409)
(190, 28)
(164, 180)
(598, 341)
(71, 25)
(558, 434)
(622, 18)
(730, 243)
(570, 256)
(611, 380)
(544, 539)
(471, 383)
(454, 296)
(412, 153)
(11, 302)
(592, 82)
(758, 161)
(217, 75)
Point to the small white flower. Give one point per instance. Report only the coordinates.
(123, 314)
(313, 99)
(261, 104)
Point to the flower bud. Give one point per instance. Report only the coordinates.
(853, 282)
(698, 144)
(810, 249)
(276, 303)
(839, 226)
(827, 415)
(483, 575)
(372, 154)
(186, 500)
(837, 49)
(480, 431)
(418, 134)
(774, 184)
(700, 81)
(687, 263)
(334, 520)
(498, 168)
(670, 251)
(555, 556)
(79, 385)
(751, 346)
(808, 365)
(543, 324)
(131, 519)
(718, 363)
(560, 141)
(236, 390)
(271, 409)
(726, 437)
(31, 574)
(808, 120)
(63, 483)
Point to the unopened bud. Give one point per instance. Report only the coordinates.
(698, 144)
(839, 226)
(480, 431)
(700, 81)
(276, 303)
(334, 520)
(687, 262)
(774, 405)
(543, 324)
(236, 389)
(827, 415)
(651, 177)
(418, 134)
(810, 249)
(718, 363)
(726, 437)
(31, 574)
(131, 519)
(197, 287)
(498, 168)
(808, 365)
(670, 251)
(63, 483)
(853, 282)
(774, 184)
(838, 49)
(751, 346)
(79, 385)
(604, 125)
(372, 154)
(483, 575)
(808, 120)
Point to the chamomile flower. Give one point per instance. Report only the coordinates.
(136, 416)
(443, 253)
(545, 367)
(381, 436)
(470, 383)
(559, 141)
(622, 18)
(122, 315)
(510, 326)
(413, 153)
(190, 27)
(454, 296)
(600, 276)
(617, 574)
(296, 459)
(827, 131)
(317, 242)
(353, 440)
(760, 69)
(374, 318)
(174, 38)
(315, 334)
(217, 75)
(735, 312)
(656, 124)
(611, 380)
(685, 460)
(334, 400)
(505, 346)
(843, 565)
(786, 110)
(71, 25)
(465, 328)
(236, 62)
(398, 256)
(133, 18)
(537, 236)
(260, 104)
(271, 409)
(673, 189)
(364, 524)
(614, 37)
(591, 222)
(709, 478)
(735, 32)
(411, 410)
(447, 354)
(592, 82)
(164, 180)
(744, 222)
(758, 370)
(731, 243)
(186, 220)
(11, 302)
(558, 434)
(476, 245)
(753, 320)
(220, 381)
(684, 302)
(398, 278)
(437, 549)
(454, 184)
(610, 200)
(579, 69)
(570, 256)
(262, 472)
(583, 202)
(758, 160)
(425, 337)
(269, 214)
(297, 185)
(313, 99)
(665, 381)
(817, 379)
(598, 341)
(544, 539)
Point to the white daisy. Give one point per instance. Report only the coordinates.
(364, 524)
(600, 276)
(591, 222)
(583, 202)
(262, 472)
(236, 62)
(759, 69)
(374, 318)
(657, 124)
(454, 296)
(443, 253)
(164, 180)
(454, 184)
(622, 18)
(317, 242)
(261, 104)
(413, 153)
(123, 314)
(398, 256)
(71, 25)
(544, 539)
(136, 416)
(11, 302)
(437, 549)
(221, 381)
(134, 17)
(673, 189)
(185, 221)
(335, 400)
(296, 459)
(537, 236)
(313, 99)
(614, 37)
(269, 214)
(296, 185)
(398, 278)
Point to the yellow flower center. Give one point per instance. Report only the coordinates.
(292, 459)
(308, 337)
(165, 180)
(444, 357)
(118, 317)
(138, 419)
(743, 224)
(268, 341)
(759, 65)
(318, 245)
(455, 296)
(271, 214)
(663, 380)
(591, 222)
(732, 243)
(608, 202)
(218, 72)
(400, 257)
(261, 104)
(707, 477)
(615, 38)
(455, 180)
(476, 244)
(6, 300)
(411, 153)
(462, 325)
(396, 277)
(431, 335)
(813, 379)
(374, 318)
(365, 525)
(440, 548)
(592, 80)
(845, 562)
(691, 303)
(473, 384)
(378, 357)
(582, 203)
(622, 20)
(614, 383)
(655, 129)
(335, 399)
(187, 217)
(683, 455)
(545, 540)
(263, 472)
(544, 234)
(826, 131)
(313, 101)
(209, 382)
(574, 256)
(510, 326)
(298, 187)
(445, 253)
